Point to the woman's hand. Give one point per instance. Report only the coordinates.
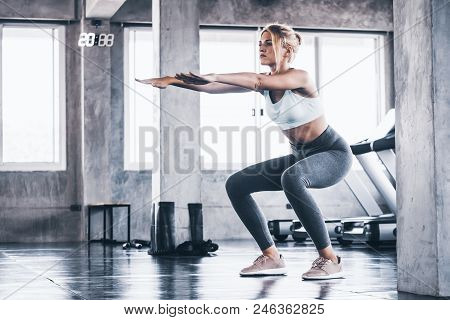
(161, 83)
(192, 78)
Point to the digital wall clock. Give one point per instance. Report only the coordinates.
(91, 39)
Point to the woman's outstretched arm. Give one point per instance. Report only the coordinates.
(212, 87)
(291, 79)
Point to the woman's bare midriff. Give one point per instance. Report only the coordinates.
(308, 131)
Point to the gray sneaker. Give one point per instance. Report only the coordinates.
(323, 268)
(264, 265)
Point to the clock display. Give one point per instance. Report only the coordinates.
(91, 39)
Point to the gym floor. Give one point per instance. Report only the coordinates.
(81, 271)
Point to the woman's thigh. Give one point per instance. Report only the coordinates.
(263, 176)
(322, 169)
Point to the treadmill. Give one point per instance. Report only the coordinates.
(334, 228)
(382, 228)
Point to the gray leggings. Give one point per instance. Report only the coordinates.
(319, 163)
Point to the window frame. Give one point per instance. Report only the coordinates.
(127, 164)
(380, 58)
(60, 37)
(252, 109)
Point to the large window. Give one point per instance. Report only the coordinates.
(138, 59)
(226, 119)
(32, 98)
(350, 83)
(347, 69)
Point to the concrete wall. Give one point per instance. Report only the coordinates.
(321, 14)
(39, 10)
(36, 205)
(441, 99)
(324, 14)
(422, 74)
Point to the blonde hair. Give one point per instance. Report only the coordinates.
(283, 36)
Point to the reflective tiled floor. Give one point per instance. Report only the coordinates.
(79, 271)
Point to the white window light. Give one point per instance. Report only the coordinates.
(32, 98)
(139, 108)
(229, 138)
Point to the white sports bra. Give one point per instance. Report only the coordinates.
(293, 110)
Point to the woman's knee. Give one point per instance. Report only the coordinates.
(233, 184)
(293, 178)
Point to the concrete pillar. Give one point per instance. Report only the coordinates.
(102, 137)
(422, 104)
(176, 176)
(96, 104)
(96, 132)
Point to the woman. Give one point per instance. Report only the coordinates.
(320, 156)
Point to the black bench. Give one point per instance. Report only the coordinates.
(109, 207)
